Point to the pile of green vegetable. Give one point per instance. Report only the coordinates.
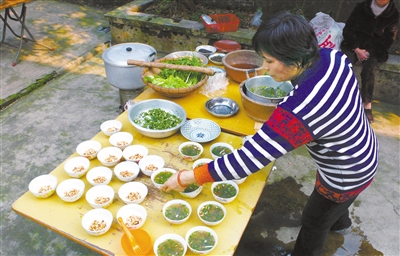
(157, 119)
(269, 92)
(171, 78)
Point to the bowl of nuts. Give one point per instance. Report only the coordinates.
(99, 175)
(133, 192)
(110, 127)
(100, 196)
(109, 156)
(121, 140)
(126, 171)
(97, 221)
(88, 149)
(76, 167)
(133, 215)
(150, 164)
(135, 153)
(70, 190)
(43, 186)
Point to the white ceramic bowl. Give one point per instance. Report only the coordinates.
(133, 215)
(222, 190)
(109, 156)
(150, 164)
(121, 139)
(160, 176)
(76, 167)
(204, 239)
(43, 186)
(190, 150)
(139, 108)
(191, 192)
(100, 196)
(216, 58)
(88, 149)
(135, 153)
(206, 50)
(180, 242)
(181, 211)
(219, 149)
(99, 175)
(97, 216)
(240, 181)
(126, 171)
(70, 190)
(110, 127)
(211, 220)
(201, 161)
(133, 192)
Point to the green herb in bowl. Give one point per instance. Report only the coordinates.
(191, 150)
(162, 177)
(225, 190)
(157, 119)
(211, 213)
(170, 247)
(177, 211)
(201, 240)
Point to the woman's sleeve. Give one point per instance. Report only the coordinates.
(282, 133)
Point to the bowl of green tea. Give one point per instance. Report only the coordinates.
(160, 176)
(201, 239)
(224, 191)
(220, 149)
(211, 213)
(170, 244)
(177, 211)
(190, 150)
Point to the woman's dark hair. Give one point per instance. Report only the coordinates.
(288, 38)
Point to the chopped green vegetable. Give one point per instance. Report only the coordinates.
(201, 240)
(177, 212)
(157, 119)
(225, 190)
(212, 213)
(267, 91)
(192, 187)
(170, 247)
(162, 177)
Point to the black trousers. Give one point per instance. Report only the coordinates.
(320, 215)
(368, 72)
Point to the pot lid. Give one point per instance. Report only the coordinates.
(120, 53)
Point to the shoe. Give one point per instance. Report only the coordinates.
(370, 117)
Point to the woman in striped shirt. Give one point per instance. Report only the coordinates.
(324, 112)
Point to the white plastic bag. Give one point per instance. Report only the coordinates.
(216, 85)
(327, 31)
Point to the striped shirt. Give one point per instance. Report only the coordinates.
(323, 112)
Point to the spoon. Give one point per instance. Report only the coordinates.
(135, 245)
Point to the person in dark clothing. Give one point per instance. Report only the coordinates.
(368, 33)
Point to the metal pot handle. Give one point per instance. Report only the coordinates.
(249, 71)
(151, 57)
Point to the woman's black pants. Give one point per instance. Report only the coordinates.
(320, 215)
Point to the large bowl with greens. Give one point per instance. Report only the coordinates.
(266, 90)
(157, 118)
(175, 83)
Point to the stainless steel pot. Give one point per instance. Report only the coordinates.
(118, 72)
(267, 81)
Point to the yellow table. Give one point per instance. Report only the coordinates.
(194, 104)
(65, 218)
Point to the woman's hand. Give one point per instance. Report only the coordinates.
(179, 181)
(362, 54)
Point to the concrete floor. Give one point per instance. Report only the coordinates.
(42, 129)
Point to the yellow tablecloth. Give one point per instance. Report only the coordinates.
(65, 218)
